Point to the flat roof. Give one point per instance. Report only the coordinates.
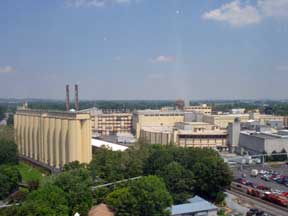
(158, 129)
(263, 135)
(158, 112)
(109, 145)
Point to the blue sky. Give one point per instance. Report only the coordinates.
(144, 49)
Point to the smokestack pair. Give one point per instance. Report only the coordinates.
(76, 101)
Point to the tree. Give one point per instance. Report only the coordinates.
(48, 200)
(74, 165)
(107, 165)
(144, 197)
(284, 156)
(76, 184)
(212, 176)
(10, 120)
(179, 181)
(4, 186)
(7, 133)
(8, 152)
(2, 112)
(274, 156)
(9, 178)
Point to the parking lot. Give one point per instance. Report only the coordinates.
(280, 170)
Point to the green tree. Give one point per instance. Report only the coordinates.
(107, 165)
(274, 156)
(74, 165)
(9, 178)
(48, 200)
(179, 181)
(212, 176)
(144, 197)
(2, 112)
(76, 184)
(7, 133)
(123, 202)
(10, 120)
(8, 152)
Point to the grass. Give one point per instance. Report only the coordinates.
(29, 173)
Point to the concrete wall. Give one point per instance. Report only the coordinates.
(156, 137)
(276, 145)
(252, 144)
(53, 138)
(141, 120)
(233, 135)
(257, 145)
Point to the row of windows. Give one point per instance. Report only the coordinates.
(187, 136)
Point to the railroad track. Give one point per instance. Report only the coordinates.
(271, 208)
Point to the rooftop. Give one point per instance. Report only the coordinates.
(196, 204)
(263, 135)
(158, 112)
(109, 145)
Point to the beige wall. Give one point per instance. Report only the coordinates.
(200, 109)
(144, 120)
(201, 140)
(112, 123)
(223, 120)
(286, 121)
(53, 138)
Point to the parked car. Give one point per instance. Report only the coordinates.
(254, 172)
(265, 177)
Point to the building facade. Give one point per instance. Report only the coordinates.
(187, 134)
(155, 118)
(285, 121)
(113, 123)
(258, 143)
(109, 123)
(199, 109)
(223, 120)
(53, 138)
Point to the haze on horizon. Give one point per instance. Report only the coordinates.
(144, 49)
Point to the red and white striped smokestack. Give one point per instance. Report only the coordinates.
(76, 98)
(67, 98)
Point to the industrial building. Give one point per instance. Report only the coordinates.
(203, 108)
(285, 121)
(223, 120)
(186, 134)
(155, 118)
(258, 142)
(109, 123)
(53, 138)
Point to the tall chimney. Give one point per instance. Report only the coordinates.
(76, 98)
(67, 98)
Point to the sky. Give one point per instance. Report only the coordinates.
(144, 49)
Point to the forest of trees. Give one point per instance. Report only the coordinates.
(169, 175)
(268, 107)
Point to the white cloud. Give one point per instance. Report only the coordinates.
(235, 13)
(7, 69)
(94, 3)
(163, 59)
(240, 14)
